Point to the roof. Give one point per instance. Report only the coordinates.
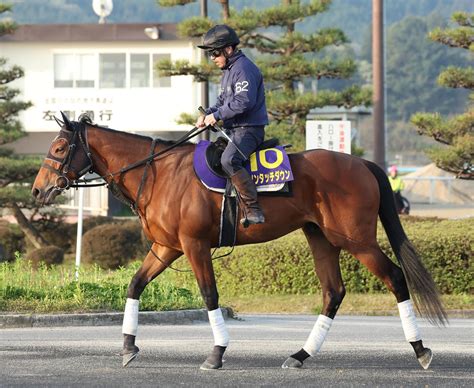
(331, 109)
(89, 32)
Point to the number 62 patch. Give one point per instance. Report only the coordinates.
(241, 87)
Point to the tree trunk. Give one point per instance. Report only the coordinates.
(290, 28)
(30, 232)
(225, 9)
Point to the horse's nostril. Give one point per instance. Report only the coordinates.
(35, 192)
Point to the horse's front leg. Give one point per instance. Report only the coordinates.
(150, 269)
(199, 254)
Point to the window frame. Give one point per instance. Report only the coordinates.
(96, 79)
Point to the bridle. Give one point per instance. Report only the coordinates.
(72, 134)
(74, 131)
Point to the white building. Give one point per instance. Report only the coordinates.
(106, 70)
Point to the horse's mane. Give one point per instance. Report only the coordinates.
(88, 121)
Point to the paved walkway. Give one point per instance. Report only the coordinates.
(442, 210)
(358, 352)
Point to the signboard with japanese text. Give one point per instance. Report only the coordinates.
(330, 135)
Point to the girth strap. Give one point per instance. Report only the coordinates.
(144, 176)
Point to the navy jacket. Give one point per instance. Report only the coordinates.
(241, 102)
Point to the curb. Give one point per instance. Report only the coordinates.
(107, 319)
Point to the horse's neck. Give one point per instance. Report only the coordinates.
(115, 150)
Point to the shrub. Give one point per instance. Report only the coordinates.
(112, 246)
(60, 234)
(285, 266)
(12, 240)
(91, 222)
(49, 255)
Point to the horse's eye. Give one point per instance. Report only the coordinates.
(59, 149)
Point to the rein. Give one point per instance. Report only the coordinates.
(147, 161)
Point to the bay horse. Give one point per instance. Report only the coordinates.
(336, 199)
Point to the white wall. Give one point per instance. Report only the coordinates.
(134, 109)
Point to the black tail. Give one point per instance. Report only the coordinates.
(422, 288)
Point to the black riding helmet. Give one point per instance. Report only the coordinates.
(218, 37)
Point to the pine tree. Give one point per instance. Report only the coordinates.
(286, 58)
(455, 133)
(15, 171)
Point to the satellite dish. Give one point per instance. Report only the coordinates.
(102, 8)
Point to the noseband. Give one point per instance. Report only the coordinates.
(75, 134)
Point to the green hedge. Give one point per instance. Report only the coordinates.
(113, 245)
(11, 241)
(285, 266)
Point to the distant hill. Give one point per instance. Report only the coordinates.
(352, 16)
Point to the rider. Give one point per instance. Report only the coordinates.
(241, 106)
(397, 187)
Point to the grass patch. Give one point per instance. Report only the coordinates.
(54, 289)
(25, 289)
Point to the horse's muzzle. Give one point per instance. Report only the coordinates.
(46, 197)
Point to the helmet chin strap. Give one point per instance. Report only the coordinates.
(227, 56)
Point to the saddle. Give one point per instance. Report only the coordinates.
(269, 167)
(214, 153)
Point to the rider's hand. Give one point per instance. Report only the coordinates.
(210, 119)
(200, 122)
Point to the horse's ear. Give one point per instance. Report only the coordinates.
(66, 120)
(59, 122)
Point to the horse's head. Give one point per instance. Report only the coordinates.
(67, 160)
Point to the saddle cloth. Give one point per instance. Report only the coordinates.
(269, 168)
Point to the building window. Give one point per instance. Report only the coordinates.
(85, 71)
(74, 70)
(80, 70)
(112, 70)
(160, 82)
(139, 70)
(64, 70)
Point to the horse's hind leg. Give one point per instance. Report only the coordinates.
(150, 269)
(392, 276)
(326, 259)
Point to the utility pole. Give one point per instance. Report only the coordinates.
(378, 80)
(204, 84)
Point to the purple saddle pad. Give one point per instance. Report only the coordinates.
(269, 168)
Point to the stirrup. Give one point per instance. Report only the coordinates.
(246, 221)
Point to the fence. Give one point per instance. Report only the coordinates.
(96, 201)
(439, 189)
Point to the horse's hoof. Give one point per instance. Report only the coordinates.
(127, 358)
(206, 365)
(292, 363)
(425, 358)
(129, 355)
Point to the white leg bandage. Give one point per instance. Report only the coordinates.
(318, 334)
(221, 336)
(130, 317)
(407, 315)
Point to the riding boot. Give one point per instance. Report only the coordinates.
(248, 192)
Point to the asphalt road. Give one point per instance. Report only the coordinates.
(359, 351)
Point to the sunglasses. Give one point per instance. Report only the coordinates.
(214, 53)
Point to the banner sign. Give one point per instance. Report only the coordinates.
(330, 135)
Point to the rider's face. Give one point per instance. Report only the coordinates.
(218, 57)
